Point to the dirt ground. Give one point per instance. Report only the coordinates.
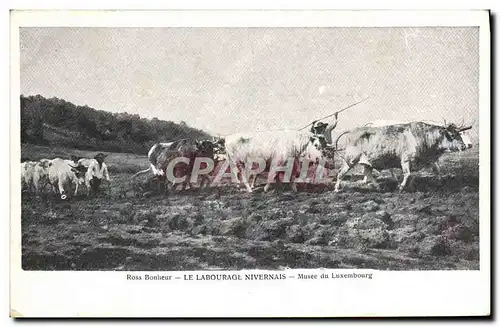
(434, 226)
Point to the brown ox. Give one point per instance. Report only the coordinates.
(189, 150)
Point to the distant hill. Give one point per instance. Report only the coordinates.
(61, 123)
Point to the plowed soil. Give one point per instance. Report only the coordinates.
(435, 225)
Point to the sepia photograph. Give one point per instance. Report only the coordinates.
(258, 148)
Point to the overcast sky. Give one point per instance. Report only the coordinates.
(227, 80)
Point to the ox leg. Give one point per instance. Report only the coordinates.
(437, 170)
(35, 185)
(161, 180)
(87, 185)
(345, 168)
(268, 183)
(54, 189)
(186, 184)
(366, 180)
(368, 172)
(292, 183)
(165, 187)
(253, 180)
(405, 165)
(393, 174)
(235, 172)
(276, 179)
(296, 169)
(206, 181)
(245, 182)
(411, 182)
(60, 184)
(202, 181)
(27, 185)
(244, 179)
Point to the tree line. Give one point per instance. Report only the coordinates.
(58, 122)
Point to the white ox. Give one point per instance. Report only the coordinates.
(59, 173)
(41, 174)
(434, 166)
(378, 123)
(157, 159)
(62, 177)
(27, 171)
(274, 147)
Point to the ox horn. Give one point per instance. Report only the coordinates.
(338, 138)
(470, 126)
(465, 128)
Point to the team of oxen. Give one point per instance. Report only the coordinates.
(293, 156)
(63, 175)
(286, 156)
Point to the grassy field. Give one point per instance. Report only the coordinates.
(435, 226)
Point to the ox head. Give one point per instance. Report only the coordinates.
(45, 163)
(463, 133)
(218, 144)
(219, 149)
(79, 170)
(318, 134)
(205, 148)
(466, 139)
(452, 140)
(75, 158)
(221, 142)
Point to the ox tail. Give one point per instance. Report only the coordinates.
(140, 172)
(338, 138)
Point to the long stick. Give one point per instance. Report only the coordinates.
(352, 105)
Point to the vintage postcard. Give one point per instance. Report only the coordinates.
(250, 163)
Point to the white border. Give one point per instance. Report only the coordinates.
(60, 294)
